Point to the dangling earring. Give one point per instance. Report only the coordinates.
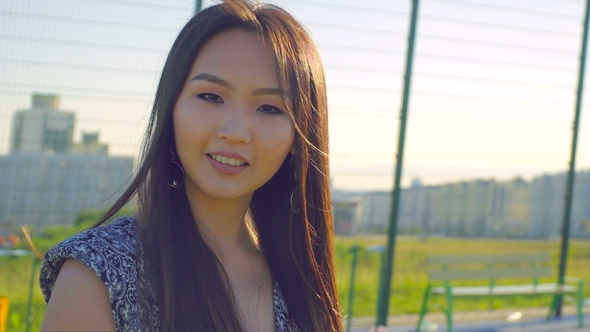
(174, 182)
(291, 200)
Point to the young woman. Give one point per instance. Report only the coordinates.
(234, 228)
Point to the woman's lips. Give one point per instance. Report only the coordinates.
(225, 168)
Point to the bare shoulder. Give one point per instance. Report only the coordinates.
(79, 301)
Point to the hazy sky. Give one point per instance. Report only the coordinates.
(493, 89)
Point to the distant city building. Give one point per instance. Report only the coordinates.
(45, 189)
(346, 210)
(345, 215)
(548, 198)
(375, 210)
(581, 204)
(47, 179)
(90, 145)
(518, 209)
(43, 127)
(479, 208)
(415, 210)
(416, 183)
(454, 209)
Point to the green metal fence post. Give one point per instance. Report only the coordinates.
(354, 249)
(565, 231)
(380, 249)
(198, 6)
(385, 284)
(380, 297)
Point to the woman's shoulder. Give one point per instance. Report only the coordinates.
(109, 251)
(117, 238)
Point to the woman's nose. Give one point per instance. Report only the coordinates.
(235, 128)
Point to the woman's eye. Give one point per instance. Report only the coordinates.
(269, 109)
(210, 97)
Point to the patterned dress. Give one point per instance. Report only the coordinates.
(111, 252)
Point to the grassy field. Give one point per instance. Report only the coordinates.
(410, 278)
(408, 285)
(15, 278)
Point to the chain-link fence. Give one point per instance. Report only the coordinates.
(490, 114)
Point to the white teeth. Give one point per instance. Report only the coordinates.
(228, 161)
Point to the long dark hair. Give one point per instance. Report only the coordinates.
(291, 212)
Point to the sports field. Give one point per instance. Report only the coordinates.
(409, 280)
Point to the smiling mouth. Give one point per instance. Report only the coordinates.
(228, 161)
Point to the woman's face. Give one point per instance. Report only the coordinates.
(231, 126)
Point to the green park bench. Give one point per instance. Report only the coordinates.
(493, 267)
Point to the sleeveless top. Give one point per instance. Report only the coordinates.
(113, 254)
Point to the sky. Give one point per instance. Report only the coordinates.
(492, 92)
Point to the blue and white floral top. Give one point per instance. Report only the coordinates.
(111, 252)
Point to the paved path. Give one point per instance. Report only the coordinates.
(565, 324)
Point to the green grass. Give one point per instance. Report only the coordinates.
(15, 278)
(410, 277)
(408, 285)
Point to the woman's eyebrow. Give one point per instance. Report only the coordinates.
(218, 80)
(213, 79)
(270, 91)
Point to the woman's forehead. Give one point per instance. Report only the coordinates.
(237, 54)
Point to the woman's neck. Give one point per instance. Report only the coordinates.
(222, 222)
(223, 226)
